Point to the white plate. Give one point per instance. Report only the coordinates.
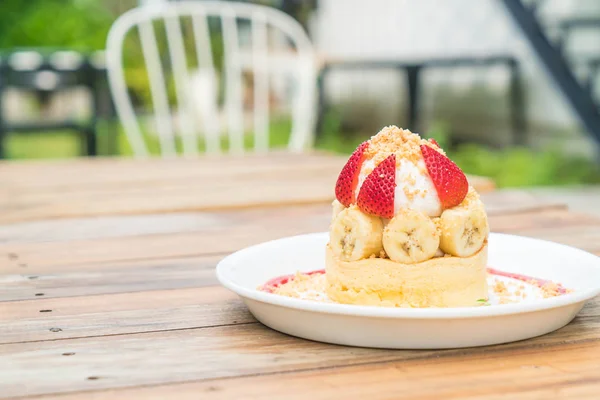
(413, 328)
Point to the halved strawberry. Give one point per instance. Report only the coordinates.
(450, 182)
(376, 195)
(348, 178)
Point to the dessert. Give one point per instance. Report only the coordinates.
(407, 230)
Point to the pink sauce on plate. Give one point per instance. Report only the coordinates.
(272, 284)
(282, 280)
(531, 280)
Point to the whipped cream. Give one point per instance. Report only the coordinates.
(414, 187)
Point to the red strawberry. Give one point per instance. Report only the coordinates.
(435, 142)
(376, 195)
(348, 178)
(450, 182)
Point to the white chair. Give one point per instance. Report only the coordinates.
(201, 102)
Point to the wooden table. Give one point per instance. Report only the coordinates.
(108, 291)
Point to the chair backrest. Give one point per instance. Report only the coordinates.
(196, 92)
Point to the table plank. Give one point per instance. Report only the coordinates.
(154, 262)
(63, 318)
(57, 174)
(497, 203)
(35, 174)
(110, 227)
(213, 353)
(101, 278)
(514, 201)
(33, 257)
(254, 227)
(186, 197)
(98, 187)
(565, 372)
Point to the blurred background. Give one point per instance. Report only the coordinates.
(508, 87)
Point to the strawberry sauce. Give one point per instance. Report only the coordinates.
(282, 280)
(274, 283)
(528, 279)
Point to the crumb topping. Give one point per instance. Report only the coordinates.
(401, 142)
(470, 199)
(410, 193)
(552, 289)
(500, 289)
(438, 224)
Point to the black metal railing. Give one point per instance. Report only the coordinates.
(579, 93)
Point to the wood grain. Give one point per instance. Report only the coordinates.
(100, 188)
(187, 197)
(109, 227)
(565, 372)
(108, 289)
(497, 203)
(510, 201)
(58, 174)
(154, 224)
(212, 353)
(154, 262)
(254, 227)
(117, 277)
(148, 311)
(228, 235)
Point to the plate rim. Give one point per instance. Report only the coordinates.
(402, 313)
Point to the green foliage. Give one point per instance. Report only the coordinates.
(65, 144)
(74, 24)
(279, 132)
(439, 132)
(332, 138)
(518, 166)
(509, 167)
(83, 25)
(44, 145)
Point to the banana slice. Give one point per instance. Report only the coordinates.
(464, 229)
(411, 237)
(355, 235)
(336, 208)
